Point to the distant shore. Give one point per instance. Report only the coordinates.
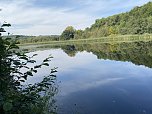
(109, 39)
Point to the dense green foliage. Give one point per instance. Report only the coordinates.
(35, 39)
(15, 96)
(137, 21)
(68, 33)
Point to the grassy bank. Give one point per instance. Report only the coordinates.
(110, 39)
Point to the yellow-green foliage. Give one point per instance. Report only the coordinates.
(137, 21)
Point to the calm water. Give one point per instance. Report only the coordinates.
(101, 79)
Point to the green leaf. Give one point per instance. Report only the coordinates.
(46, 64)
(35, 55)
(46, 60)
(7, 42)
(35, 71)
(29, 73)
(53, 71)
(25, 77)
(22, 80)
(7, 106)
(17, 63)
(14, 47)
(6, 25)
(2, 30)
(17, 83)
(31, 61)
(52, 75)
(25, 58)
(37, 66)
(8, 39)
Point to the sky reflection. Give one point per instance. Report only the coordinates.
(88, 84)
(85, 71)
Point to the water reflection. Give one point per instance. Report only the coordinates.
(139, 53)
(103, 78)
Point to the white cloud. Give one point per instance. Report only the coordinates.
(40, 21)
(104, 8)
(28, 18)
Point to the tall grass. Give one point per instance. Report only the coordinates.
(110, 39)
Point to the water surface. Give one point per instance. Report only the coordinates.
(102, 79)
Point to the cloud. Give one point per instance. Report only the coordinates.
(36, 20)
(37, 17)
(104, 8)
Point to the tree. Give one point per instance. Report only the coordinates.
(68, 33)
(112, 30)
(78, 34)
(137, 21)
(16, 98)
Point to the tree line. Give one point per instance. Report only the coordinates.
(137, 21)
(35, 39)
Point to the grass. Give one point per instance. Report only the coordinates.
(110, 39)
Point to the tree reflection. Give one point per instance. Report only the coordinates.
(139, 53)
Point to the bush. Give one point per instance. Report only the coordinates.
(16, 98)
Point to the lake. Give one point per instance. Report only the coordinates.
(100, 78)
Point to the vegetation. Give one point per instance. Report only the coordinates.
(68, 33)
(137, 21)
(139, 53)
(109, 39)
(15, 96)
(36, 39)
(18, 98)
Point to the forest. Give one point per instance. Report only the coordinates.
(136, 21)
(35, 39)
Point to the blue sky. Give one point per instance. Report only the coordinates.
(46, 17)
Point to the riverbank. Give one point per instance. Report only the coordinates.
(110, 39)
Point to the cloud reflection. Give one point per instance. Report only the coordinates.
(85, 71)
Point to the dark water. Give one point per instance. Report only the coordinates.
(102, 78)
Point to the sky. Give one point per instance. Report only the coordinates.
(51, 17)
